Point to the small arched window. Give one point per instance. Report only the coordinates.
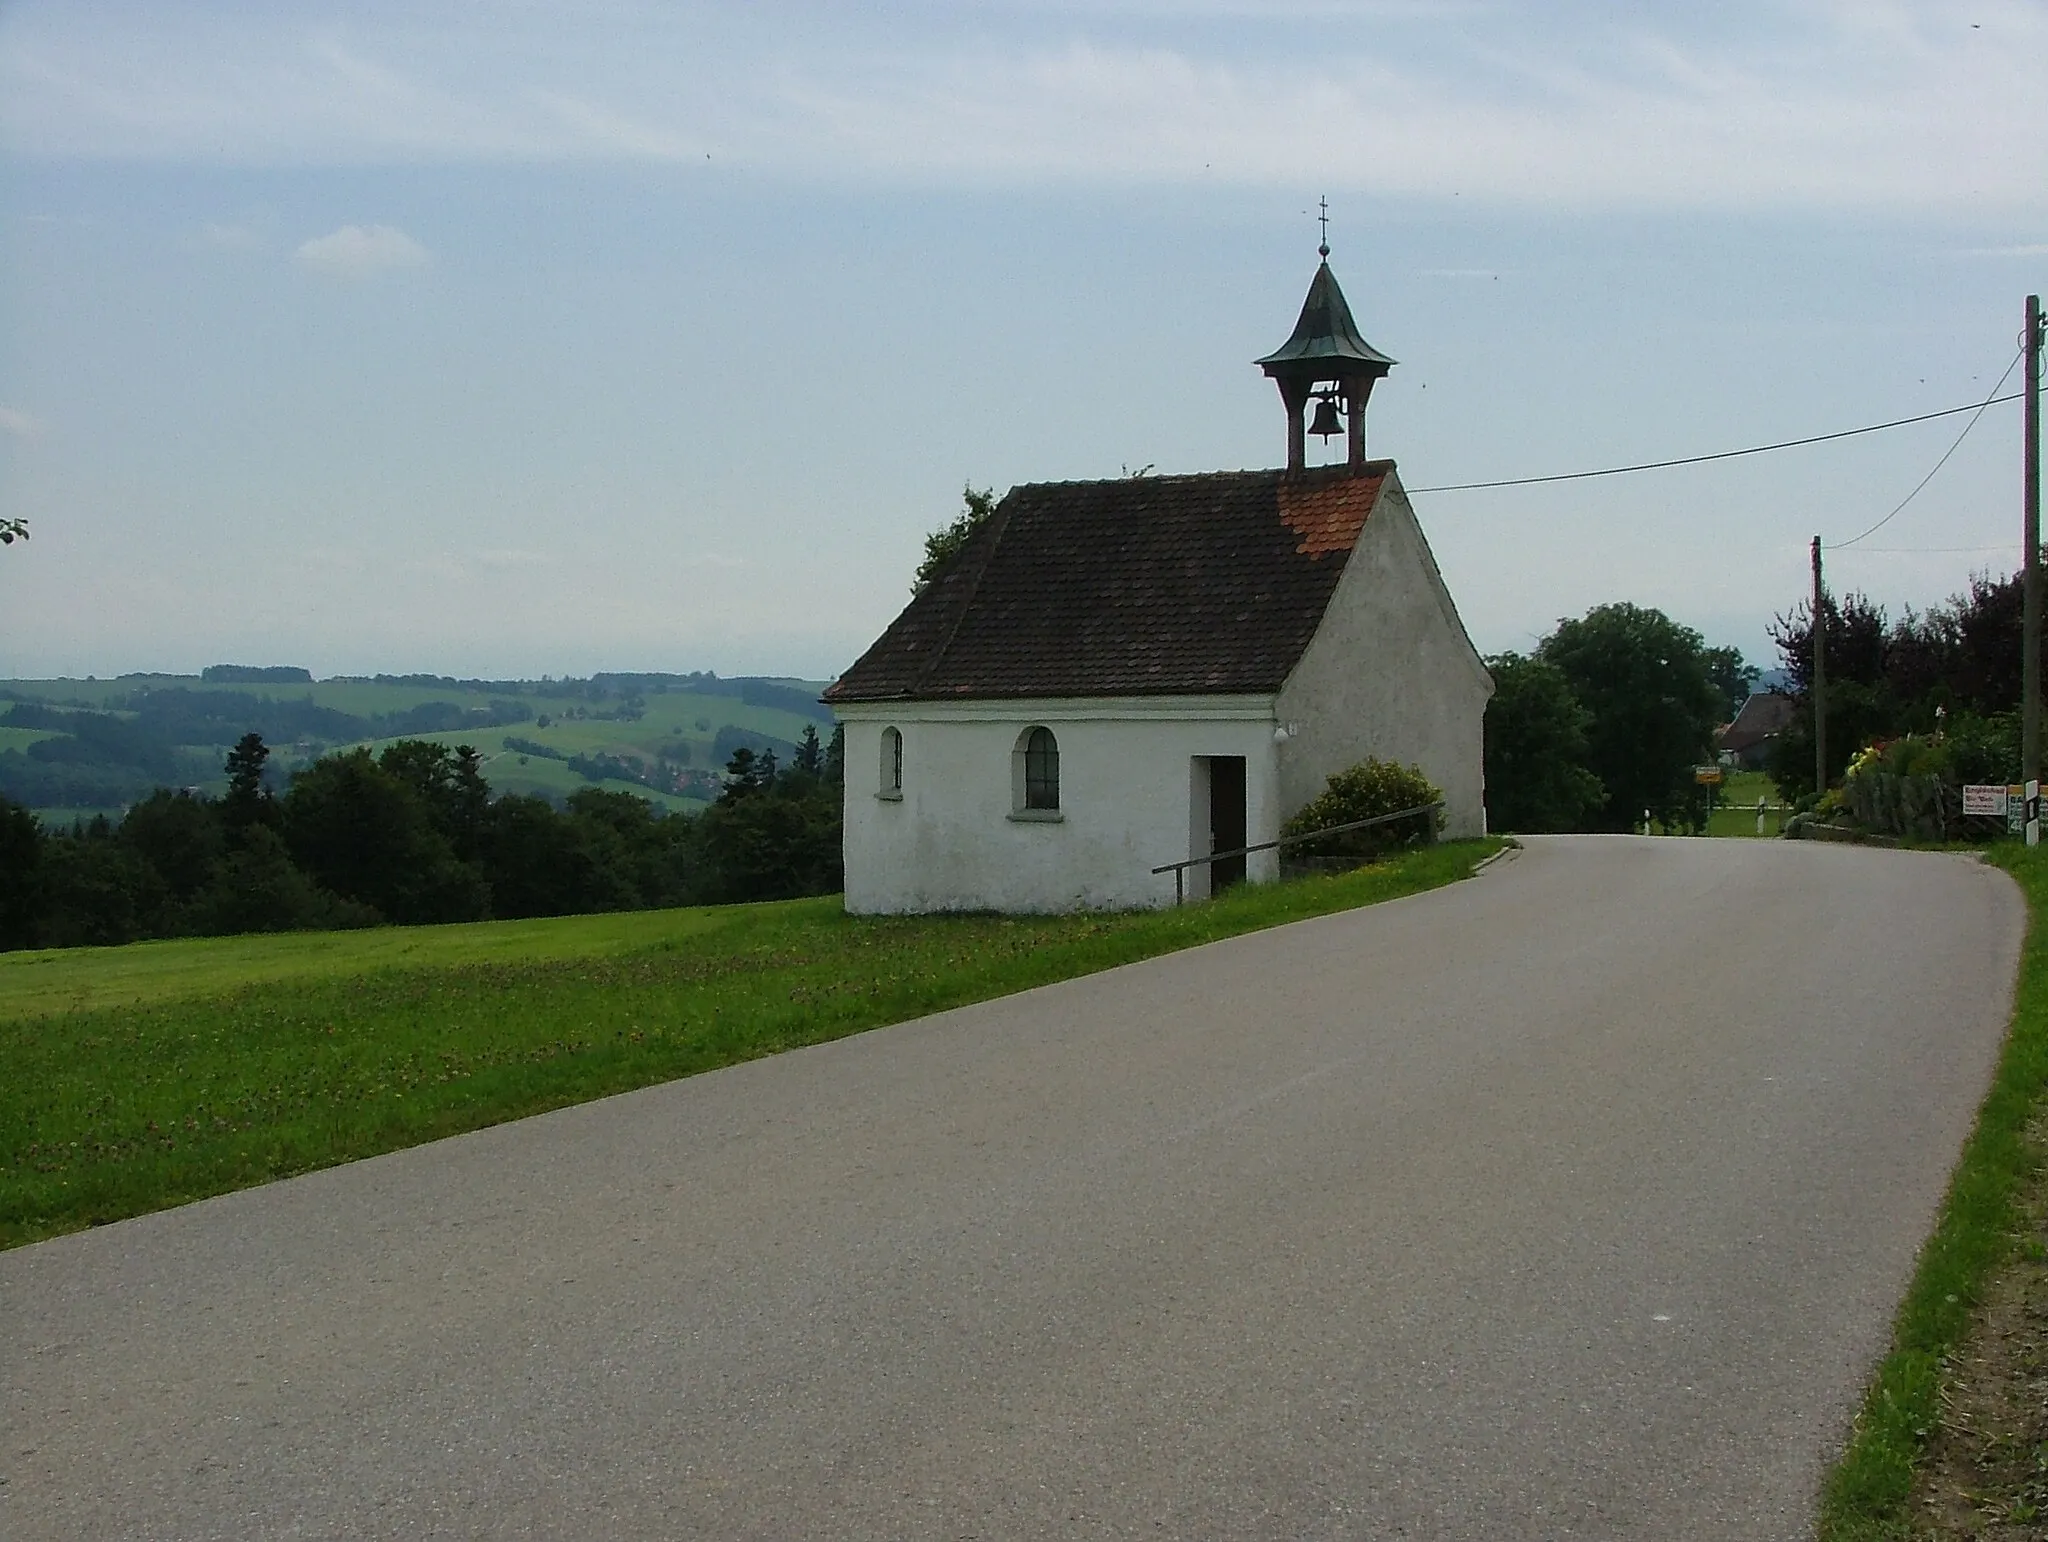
(1041, 770)
(892, 763)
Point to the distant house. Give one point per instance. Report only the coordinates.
(1110, 676)
(1748, 739)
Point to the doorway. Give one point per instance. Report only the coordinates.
(1226, 819)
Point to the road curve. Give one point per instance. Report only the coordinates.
(1571, 1201)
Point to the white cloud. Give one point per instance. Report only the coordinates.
(361, 251)
(20, 425)
(1892, 105)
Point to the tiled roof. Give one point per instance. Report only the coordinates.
(1763, 715)
(1208, 584)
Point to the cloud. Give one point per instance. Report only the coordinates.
(510, 557)
(1843, 105)
(361, 251)
(20, 425)
(2036, 249)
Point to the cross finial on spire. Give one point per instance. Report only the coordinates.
(1324, 249)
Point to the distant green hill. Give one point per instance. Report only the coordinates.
(70, 745)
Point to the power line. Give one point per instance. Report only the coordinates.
(1755, 449)
(1917, 551)
(1945, 454)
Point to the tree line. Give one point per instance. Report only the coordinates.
(1607, 716)
(411, 835)
(1955, 666)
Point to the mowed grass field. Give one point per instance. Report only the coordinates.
(141, 1077)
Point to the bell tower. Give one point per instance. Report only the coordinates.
(1327, 361)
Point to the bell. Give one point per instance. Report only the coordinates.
(1326, 421)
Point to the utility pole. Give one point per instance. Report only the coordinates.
(1820, 678)
(2030, 626)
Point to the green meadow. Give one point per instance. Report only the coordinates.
(140, 1077)
(1735, 808)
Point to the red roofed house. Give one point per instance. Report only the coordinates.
(1111, 676)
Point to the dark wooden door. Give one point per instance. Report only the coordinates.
(1226, 819)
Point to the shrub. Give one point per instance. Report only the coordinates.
(1366, 791)
(1902, 787)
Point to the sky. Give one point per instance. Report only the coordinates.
(522, 337)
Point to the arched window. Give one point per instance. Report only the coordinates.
(1041, 769)
(892, 763)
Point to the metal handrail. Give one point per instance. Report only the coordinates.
(1179, 869)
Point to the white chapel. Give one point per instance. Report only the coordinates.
(1112, 676)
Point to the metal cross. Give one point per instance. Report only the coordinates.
(1324, 217)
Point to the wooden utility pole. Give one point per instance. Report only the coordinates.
(2030, 503)
(1820, 678)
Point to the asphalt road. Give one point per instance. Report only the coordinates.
(1571, 1201)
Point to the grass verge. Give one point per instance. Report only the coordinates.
(183, 1079)
(1867, 1494)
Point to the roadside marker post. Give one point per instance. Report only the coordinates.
(2033, 813)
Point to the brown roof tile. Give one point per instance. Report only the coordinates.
(1209, 584)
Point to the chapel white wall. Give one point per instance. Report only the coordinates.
(1389, 673)
(1127, 791)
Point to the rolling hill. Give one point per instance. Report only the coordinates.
(77, 747)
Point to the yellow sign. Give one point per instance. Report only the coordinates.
(1707, 776)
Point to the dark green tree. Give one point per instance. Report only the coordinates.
(368, 835)
(1643, 679)
(774, 845)
(1536, 748)
(542, 863)
(771, 836)
(835, 757)
(94, 891)
(651, 856)
(21, 864)
(180, 835)
(945, 543)
(248, 801)
(1863, 701)
(748, 773)
(810, 754)
(258, 888)
(449, 785)
(1732, 676)
(469, 803)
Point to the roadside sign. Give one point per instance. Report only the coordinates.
(2015, 809)
(1984, 800)
(1707, 776)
